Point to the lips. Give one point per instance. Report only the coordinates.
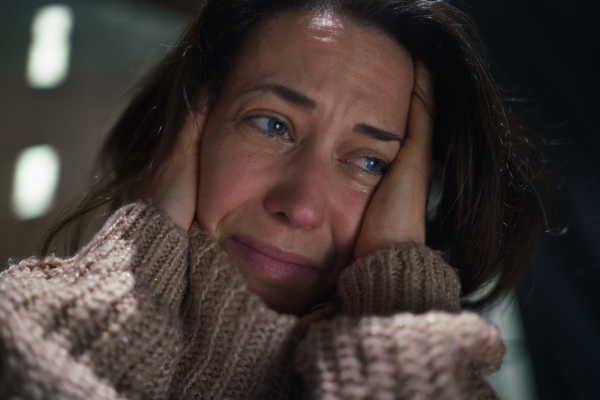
(271, 262)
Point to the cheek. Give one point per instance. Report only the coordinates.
(228, 180)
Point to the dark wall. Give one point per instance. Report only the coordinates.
(546, 53)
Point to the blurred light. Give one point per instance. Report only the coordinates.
(514, 379)
(48, 63)
(35, 181)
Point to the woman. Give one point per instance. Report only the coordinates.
(270, 183)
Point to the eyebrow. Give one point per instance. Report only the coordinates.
(376, 133)
(287, 94)
(303, 101)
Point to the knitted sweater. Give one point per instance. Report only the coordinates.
(148, 311)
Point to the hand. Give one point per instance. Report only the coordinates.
(174, 184)
(396, 212)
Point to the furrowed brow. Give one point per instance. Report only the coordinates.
(376, 133)
(304, 101)
(287, 94)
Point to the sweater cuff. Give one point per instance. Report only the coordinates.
(435, 355)
(406, 277)
(149, 245)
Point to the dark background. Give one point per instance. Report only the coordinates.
(544, 53)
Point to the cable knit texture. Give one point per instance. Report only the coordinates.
(148, 311)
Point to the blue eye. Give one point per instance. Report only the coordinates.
(269, 125)
(374, 166)
(276, 127)
(370, 165)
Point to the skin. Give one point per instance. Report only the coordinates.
(299, 167)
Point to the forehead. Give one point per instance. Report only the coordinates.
(325, 53)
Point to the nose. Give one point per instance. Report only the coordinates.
(300, 195)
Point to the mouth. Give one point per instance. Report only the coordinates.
(271, 262)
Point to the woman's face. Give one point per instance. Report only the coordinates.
(295, 147)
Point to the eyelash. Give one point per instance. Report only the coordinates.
(384, 166)
(252, 121)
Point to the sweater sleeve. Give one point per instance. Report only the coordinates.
(83, 327)
(431, 356)
(407, 277)
(390, 344)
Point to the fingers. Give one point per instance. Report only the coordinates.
(423, 89)
(417, 144)
(396, 212)
(188, 139)
(173, 185)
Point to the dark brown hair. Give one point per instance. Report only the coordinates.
(489, 168)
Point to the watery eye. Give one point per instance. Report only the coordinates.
(275, 126)
(272, 127)
(374, 165)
